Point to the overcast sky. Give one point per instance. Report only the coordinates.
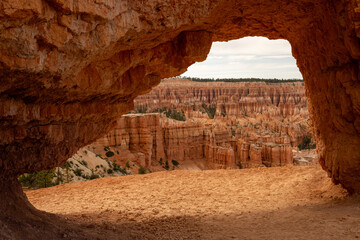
(256, 57)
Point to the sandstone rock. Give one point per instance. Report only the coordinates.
(231, 99)
(68, 80)
(147, 139)
(268, 119)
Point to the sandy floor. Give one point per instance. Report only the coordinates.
(266, 203)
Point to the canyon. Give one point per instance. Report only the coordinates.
(191, 125)
(252, 124)
(70, 69)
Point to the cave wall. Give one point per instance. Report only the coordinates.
(69, 69)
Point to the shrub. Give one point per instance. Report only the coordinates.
(167, 167)
(161, 161)
(44, 178)
(93, 176)
(109, 154)
(78, 172)
(175, 163)
(28, 179)
(210, 110)
(41, 179)
(307, 144)
(141, 109)
(142, 170)
(127, 165)
(116, 167)
(110, 171)
(84, 163)
(86, 176)
(174, 114)
(233, 132)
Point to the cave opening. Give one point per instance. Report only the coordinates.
(94, 59)
(243, 107)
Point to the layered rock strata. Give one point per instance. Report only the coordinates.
(266, 120)
(150, 140)
(231, 99)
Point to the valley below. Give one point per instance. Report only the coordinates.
(184, 124)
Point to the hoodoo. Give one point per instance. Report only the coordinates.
(69, 69)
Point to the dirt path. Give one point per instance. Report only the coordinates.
(266, 203)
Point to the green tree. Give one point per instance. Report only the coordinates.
(44, 178)
(109, 154)
(141, 170)
(175, 163)
(167, 167)
(127, 165)
(307, 144)
(210, 110)
(67, 172)
(28, 180)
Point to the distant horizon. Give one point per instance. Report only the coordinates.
(249, 57)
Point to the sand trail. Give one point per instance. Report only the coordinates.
(265, 203)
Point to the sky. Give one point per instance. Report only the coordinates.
(256, 57)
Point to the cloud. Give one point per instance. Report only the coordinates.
(278, 56)
(242, 57)
(215, 57)
(248, 57)
(252, 46)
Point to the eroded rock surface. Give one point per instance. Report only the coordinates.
(253, 125)
(150, 141)
(69, 69)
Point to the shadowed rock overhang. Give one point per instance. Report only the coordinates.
(69, 69)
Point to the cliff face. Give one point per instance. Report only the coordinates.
(137, 137)
(230, 99)
(266, 121)
(150, 141)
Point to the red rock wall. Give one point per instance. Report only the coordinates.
(69, 69)
(231, 99)
(147, 138)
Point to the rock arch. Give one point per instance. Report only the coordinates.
(69, 69)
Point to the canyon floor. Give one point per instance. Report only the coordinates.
(260, 203)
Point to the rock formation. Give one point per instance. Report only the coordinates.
(267, 120)
(69, 69)
(150, 141)
(231, 99)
